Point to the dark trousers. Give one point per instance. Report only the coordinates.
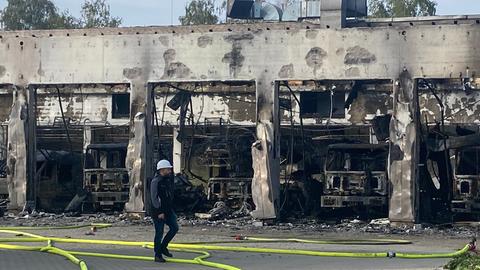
(171, 221)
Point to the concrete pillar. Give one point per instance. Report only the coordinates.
(266, 152)
(87, 137)
(21, 150)
(140, 146)
(177, 152)
(404, 152)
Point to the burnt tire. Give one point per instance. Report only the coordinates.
(88, 208)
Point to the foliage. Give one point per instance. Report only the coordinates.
(43, 14)
(203, 12)
(401, 8)
(35, 14)
(96, 13)
(467, 261)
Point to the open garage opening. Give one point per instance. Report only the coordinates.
(207, 129)
(82, 133)
(450, 135)
(334, 148)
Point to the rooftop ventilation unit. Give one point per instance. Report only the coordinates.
(239, 9)
(249, 9)
(356, 8)
(333, 12)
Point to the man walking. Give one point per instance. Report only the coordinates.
(161, 192)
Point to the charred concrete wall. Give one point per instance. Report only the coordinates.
(234, 105)
(358, 107)
(283, 51)
(81, 105)
(264, 53)
(461, 107)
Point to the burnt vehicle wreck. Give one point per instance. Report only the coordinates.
(356, 176)
(105, 177)
(466, 182)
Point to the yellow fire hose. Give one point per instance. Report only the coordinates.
(327, 254)
(201, 248)
(49, 249)
(200, 260)
(362, 242)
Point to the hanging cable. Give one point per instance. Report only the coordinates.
(301, 130)
(289, 155)
(159, 145)
(190, 148)
(187, 166)
(64, 121)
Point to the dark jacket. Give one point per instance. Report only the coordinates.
(161, 194)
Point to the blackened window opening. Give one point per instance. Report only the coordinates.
(121, 105)
(322, 104)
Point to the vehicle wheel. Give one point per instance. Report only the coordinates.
(87, 208)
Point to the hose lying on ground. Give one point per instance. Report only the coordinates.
(49, 249)
(362, 242)
(32, 238)
(201, 248)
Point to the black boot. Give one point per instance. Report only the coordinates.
(159, 259)
(166, 252)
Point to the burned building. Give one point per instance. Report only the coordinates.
(249, 109)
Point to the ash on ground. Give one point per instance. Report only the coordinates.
(248, 224)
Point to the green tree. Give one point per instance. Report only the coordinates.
(35, 14)
(43, 14)
(200, 12)
(401, 8)
(96, 14)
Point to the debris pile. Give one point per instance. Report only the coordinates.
(37, 219)
(247, 223)
(221, 210)
(377, 226)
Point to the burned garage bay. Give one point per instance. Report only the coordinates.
(263, 119)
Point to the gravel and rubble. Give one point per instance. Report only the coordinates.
(247, 224)
(41, 219)
(350, 226)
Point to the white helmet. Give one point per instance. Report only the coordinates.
(164, 164)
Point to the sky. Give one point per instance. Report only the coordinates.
(166, 12)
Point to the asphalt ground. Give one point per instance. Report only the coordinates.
(26, 260)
